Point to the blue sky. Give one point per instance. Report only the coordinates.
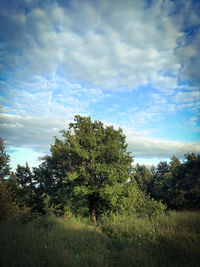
(133, 64)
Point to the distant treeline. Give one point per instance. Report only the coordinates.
(177, 184)
(90, 172)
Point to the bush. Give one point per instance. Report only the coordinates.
(130, 200)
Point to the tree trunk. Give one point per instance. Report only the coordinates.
(93, 216)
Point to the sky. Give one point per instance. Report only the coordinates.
(132, 64)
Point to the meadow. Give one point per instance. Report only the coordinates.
(172, 239)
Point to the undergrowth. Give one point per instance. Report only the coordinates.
(167, 240)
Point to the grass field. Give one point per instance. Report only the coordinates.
(167, 240)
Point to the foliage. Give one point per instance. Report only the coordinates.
(143, 176)
(85, 166)
(185, 184)
(167, 240)
(176, 184)
(4, 162)
(9, 209)
(25, 187)
(13, 204)
(50, 241)
(89, 171)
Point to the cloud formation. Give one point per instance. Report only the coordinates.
(61, 58)
(30, 132)
(109, 44)
(157, 148)
(37, 133)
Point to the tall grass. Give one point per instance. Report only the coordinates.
(52, 242)
(166, 240)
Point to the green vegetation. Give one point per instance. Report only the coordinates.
(87, 168)
(89, 171)
(167, 240)
(85, 205)
(177, 184)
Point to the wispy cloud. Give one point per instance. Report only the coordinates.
(157, 148)
(134, 63)
(114, 45)
(20, 131)
(31, 132)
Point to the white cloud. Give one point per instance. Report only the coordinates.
(187, 97)
(37, 133)
(31, 132)
(163, 83)
(52, 96)
(150, 147)
(61, 57)
(113, 45)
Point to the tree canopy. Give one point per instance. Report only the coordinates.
(176, 183)
(87, 163)
(90, 171)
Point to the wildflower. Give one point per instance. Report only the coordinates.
(140, 236)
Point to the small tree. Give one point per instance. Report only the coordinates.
(4, 162)
(8, 206)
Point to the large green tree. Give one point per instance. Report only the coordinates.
(87, 166)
